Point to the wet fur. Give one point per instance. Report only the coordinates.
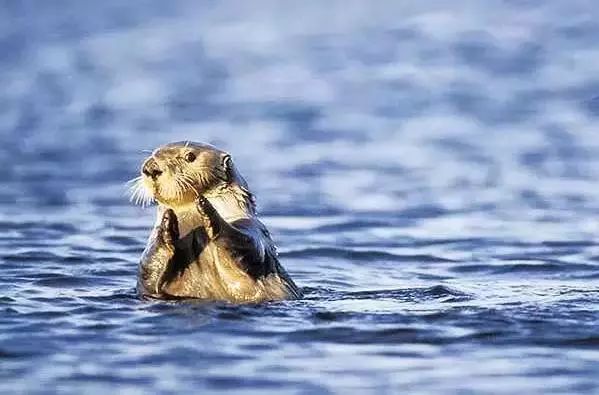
(208, 242)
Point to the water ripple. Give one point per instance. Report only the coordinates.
(430, 180)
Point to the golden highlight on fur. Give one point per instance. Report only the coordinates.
(198, 189)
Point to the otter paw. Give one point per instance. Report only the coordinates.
(169, 228)
(212, 221)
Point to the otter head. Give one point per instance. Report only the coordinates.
(177, 173)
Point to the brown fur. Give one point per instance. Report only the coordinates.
(208, 242)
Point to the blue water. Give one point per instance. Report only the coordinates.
(429, 170)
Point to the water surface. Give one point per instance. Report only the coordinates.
(429, 173)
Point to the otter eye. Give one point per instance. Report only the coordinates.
(190, 157)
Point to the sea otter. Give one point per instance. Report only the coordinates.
(207, 242)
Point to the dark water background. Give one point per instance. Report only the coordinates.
(429, 170)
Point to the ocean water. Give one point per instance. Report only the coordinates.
(428, 169)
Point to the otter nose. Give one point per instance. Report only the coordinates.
(151, 169)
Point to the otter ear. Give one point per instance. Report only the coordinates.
(228, 167)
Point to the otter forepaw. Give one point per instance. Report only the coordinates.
(212, 220)
(169, 229)
(158, 254)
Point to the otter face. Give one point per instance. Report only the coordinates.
(177, 173)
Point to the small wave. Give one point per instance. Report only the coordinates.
(519, 268)
(440, 292)
(62, 281)
(434, 292)
(118, 296)
(589, 341)
(331, 316)
(352, 335)
(125, 241)
(572, 243)
(31, 256)
(6, 354)
(6, 299)
(361, 255)
(352, 225)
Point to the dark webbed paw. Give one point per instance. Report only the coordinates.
(213, 223)
(169, 229)
(159, 252)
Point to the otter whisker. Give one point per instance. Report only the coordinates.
(135, 196)
(193, 186)
(147, 198)
(133, 190)
(135, 187)
(139, 194)
(188, 182)
(182, 187)
(129, 191)
(131, 195)
(142, 197)
(134, 180)
(179, 189)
